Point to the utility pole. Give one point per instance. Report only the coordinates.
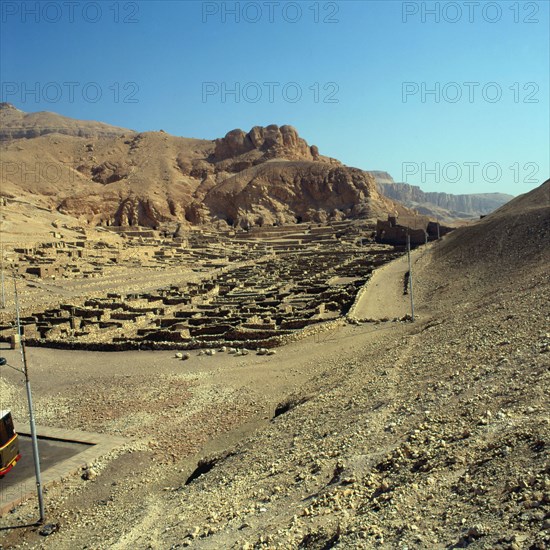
(25, 371)
(3, 305)
(410, 273)
(2, 275)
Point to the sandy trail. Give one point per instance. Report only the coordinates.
(383, 297)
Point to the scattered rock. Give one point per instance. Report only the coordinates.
(49, 529)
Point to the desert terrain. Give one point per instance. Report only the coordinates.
(277, 274)
(368, 431)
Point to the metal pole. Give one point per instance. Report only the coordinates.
(2, 276)
(2, 260)
(410, 274)
(35, 454)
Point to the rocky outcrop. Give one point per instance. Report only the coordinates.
(108, 172)
(293, 191)
(110, 209)
(137, 211)
(272, 142)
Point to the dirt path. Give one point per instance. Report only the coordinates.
(383, 296)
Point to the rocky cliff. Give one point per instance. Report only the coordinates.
(282, 191)
(268, 142)
(110, 176)
(442, 205)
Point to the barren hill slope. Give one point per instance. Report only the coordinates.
(110, 176)
(514, 236)
(432, 434)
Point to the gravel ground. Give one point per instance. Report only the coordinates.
(431, 434)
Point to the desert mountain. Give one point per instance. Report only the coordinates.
(111, 176)
(444, 206)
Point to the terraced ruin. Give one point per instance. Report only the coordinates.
(252, 289)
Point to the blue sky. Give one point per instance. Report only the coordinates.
(354, 78)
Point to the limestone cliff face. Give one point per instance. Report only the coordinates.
(442, 205)
(109, 176)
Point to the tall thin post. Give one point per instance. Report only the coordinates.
(3, 305)
(410, 274)
(2, 275)
(34, 439)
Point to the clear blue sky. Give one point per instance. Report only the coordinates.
(361, 68)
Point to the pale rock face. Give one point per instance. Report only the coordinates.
(233, 144)
(134, 211)
(256, 137)
(444, 206)
(314, 150)
(473, 204)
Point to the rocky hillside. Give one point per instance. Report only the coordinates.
(517, 234)
(444, 206)
(430, 434)
(110, 176)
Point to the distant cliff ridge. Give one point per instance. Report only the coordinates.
(16, 124)
(445, 206)
(106, 175)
